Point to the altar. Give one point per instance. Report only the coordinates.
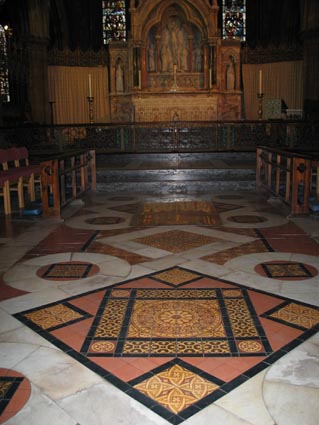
(175, 64)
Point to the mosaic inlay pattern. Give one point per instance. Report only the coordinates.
(297, 315)
(67, 271)
(176, 240)
(284, 270)
(176, 388)
(176, 276)
(178, 213)
(54, 316)
(15, 391)
(189, 325)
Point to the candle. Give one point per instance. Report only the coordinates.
(260, 81)
(139, 79)
(90, 86)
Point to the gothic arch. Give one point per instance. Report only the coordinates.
(153, 11)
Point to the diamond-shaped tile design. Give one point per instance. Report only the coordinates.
(176, 240)
(175, 340)
(304, 317)
(176, 276)
(176, 388)
(278, 270)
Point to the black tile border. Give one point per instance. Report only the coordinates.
(13, 388)
(127, 388)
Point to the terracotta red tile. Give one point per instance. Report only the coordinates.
(7, 292)
(89, 303)
(262, 302)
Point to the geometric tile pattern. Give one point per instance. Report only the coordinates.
(177, 325)
(176, 388)
(6, 383)
(54, 316)
(176, 240)
(247, 248)
(300, 316)
(174, 322)
(176, 276)
(277, 270)
(14, 393)
(68, 270)
(177, 213)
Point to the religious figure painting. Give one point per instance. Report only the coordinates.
(174, 46)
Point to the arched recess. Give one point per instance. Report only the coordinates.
(174, 40)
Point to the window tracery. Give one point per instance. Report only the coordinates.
(114, 21)
(234, 19)
(4, 71)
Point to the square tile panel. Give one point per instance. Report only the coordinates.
(111, 330)
(285, 270)
(68, 270)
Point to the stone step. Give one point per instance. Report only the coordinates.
(203, 175)
(177, 187)
(176, 172)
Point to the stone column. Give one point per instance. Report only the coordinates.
(38, 80)
(37, 42)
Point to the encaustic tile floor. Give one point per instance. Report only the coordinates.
(132, 310)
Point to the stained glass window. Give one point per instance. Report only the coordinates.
(234, 20)
(4, 73)
(114, 21)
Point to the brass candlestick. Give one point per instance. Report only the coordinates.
(260, 105)
(91, 109)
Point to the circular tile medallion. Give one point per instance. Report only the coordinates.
(286, 270)
(15, 391)
(69, 270)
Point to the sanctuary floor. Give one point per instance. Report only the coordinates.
(156, 310)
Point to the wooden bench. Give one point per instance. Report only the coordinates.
(65, 177)
(15, 176)
(289, 175)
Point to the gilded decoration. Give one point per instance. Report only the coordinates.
(176, 64)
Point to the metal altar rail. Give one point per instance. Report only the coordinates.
(290, 175)
(162, 137)
(65, 177)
